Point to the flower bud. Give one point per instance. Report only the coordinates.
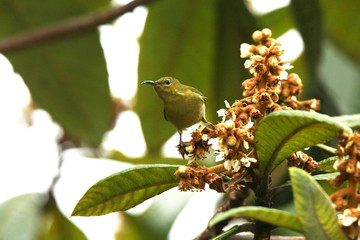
(267, 32)
(263, 51)
(231, 141)
(257, 36)
(350, 169)
(229, 124)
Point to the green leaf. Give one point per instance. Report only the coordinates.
(55, 226)
(335, 66)
(134, 228)
(227, 233)
(309, 24)
(342, 22)
(20, 217)
(282, 133)
(325, 176)
(274, 20)
(126, 189)
(327, 149)
(352, 121)
(269, 215)
(327, 165)
(178, 40)
(318, 177)
(314, 208)
(147, 159)
(235, 25)
(68, 77)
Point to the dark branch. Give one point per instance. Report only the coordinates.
(66, 28)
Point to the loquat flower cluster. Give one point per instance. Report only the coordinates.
(270, 89)
(346, 200)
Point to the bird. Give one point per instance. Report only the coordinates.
(184, 105)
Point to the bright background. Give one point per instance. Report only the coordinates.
(34, 147)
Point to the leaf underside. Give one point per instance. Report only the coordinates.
(126, 189)
(314, 208)
(269, 215)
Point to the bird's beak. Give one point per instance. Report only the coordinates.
(149, 82)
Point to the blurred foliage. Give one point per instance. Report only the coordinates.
(67, 78)
(196, 41)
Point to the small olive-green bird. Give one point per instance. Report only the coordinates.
(183, 105)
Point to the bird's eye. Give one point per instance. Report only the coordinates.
(167, 82)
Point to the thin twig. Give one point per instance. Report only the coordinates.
(68, 27)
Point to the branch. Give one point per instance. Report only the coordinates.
(68, 27)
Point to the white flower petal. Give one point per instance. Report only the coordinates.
(236, 165)
(227, 164)
(348, 220)
(246, 145)
(283, 75)
(204, 137)
(248, 63)
(229, 124)
(287, 66)
(249, 125)
(221, 112)
(245, 50)
(227, 104)
(219, 157)
(245, 162)
(254, 160)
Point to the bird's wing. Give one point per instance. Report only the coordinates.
(165, 115)
(201, 95)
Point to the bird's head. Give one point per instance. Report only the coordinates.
(166, 86)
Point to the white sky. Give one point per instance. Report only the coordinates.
(29, 154)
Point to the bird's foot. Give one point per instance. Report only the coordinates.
(209, 124)
(182, 149)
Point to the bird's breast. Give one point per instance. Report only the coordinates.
(185, 110)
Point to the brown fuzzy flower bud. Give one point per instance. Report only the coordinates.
(260, 69)
(257, 36)
(249, 84)
(263, 51)
(231, 141)
(255, 113)
(266, 33)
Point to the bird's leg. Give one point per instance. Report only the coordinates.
(182, 146)
(207, 123)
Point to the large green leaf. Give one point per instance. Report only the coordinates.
(126, 189)
(67, 78)
(20, 217)
(178, 40)
(318, 177)
(340, 77)
(234, 26)
(327, 165)
(342, 23)
(314, 208)
(309, 24)
(274, 20)
(133, 228)
(269, 215)
(352, 121)
(280, 134)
